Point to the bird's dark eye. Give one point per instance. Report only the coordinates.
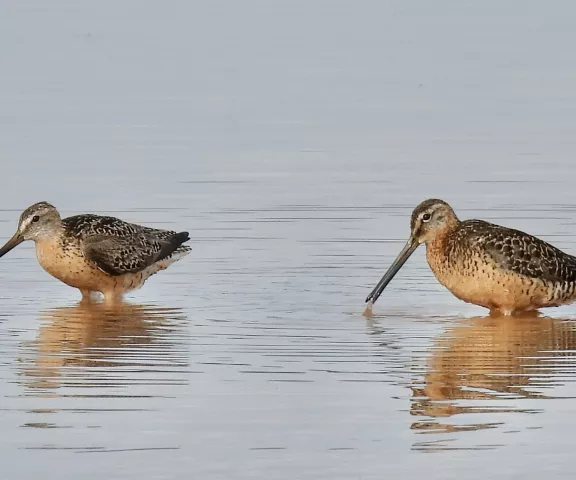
(35, 218)
(426, 217)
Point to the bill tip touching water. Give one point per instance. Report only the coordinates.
(499, 268)
(368, 310)
(97, 254)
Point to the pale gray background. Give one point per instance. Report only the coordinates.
(292, 138)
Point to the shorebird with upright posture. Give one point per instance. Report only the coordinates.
(95, 253)
(502, 269)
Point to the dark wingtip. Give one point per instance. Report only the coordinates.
(180, 238)
(173, 244)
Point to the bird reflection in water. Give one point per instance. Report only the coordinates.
(493, 362)
(96, 345)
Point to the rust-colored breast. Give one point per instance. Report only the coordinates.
(66, 262)
(500, 268)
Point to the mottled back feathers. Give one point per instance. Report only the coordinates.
(515, 251)
(117, 247)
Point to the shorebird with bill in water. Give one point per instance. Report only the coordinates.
(97, 253)
(502, 269)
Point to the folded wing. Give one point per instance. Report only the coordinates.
(524, 254)
(132, 253)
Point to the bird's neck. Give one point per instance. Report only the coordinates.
(438, 245)
(52, 234)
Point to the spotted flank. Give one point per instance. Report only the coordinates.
(118, 247)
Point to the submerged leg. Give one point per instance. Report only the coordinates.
(112, 298)
(88, 296)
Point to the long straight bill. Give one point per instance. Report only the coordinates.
(17, 239)
(393, 270)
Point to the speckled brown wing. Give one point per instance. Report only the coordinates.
(519, 252)
(118, 247)
(132, 253)
(87, 225)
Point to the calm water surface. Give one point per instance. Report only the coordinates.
(292, 139)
